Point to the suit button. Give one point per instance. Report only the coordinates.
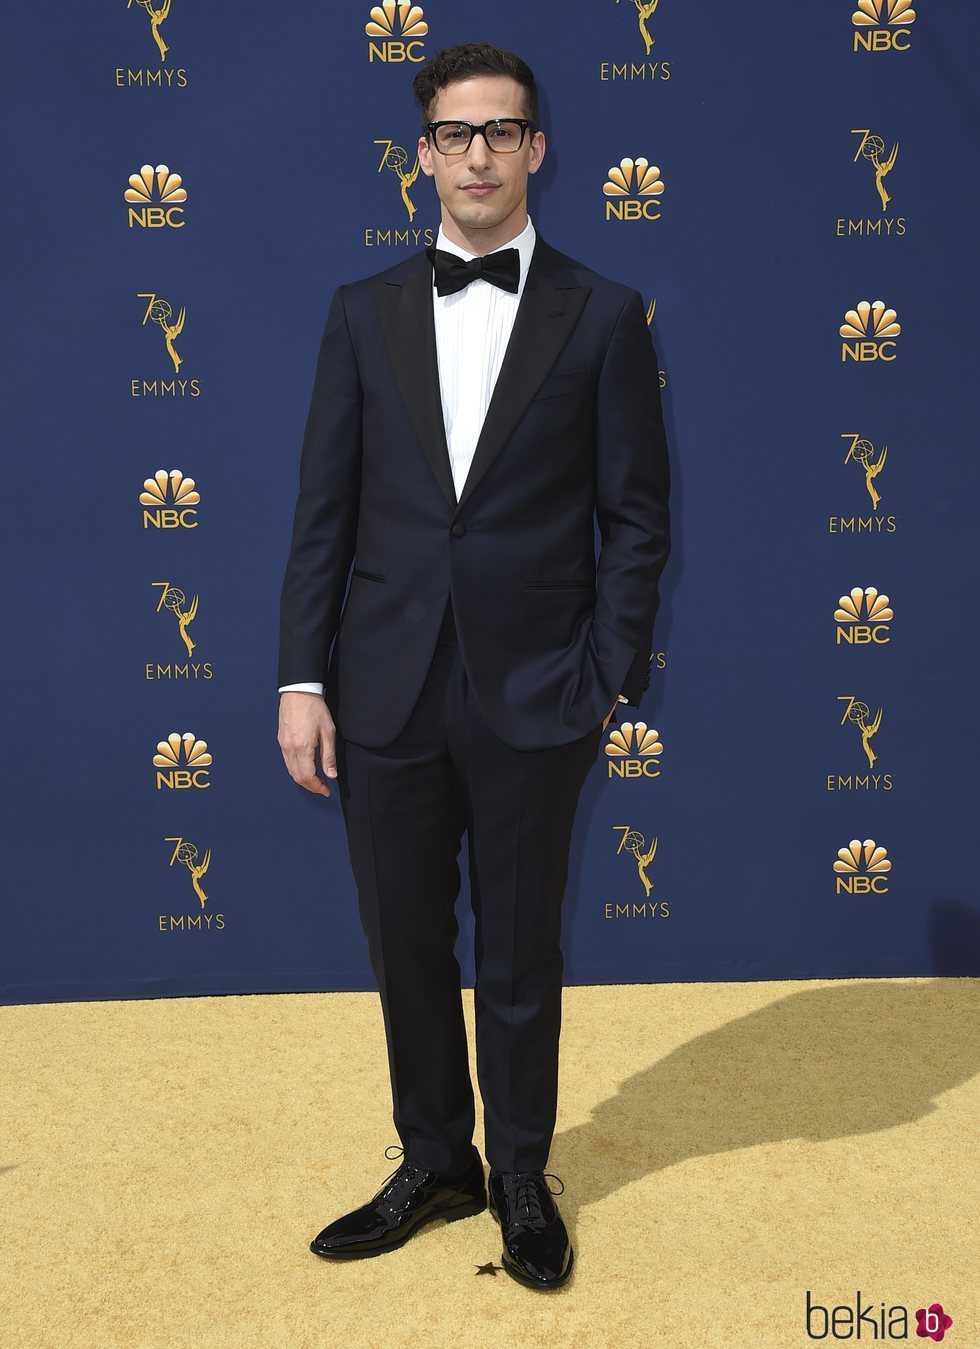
(458, 530)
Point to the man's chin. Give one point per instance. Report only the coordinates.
(477, 215)
(482, 209)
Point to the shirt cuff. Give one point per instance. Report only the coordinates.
(302, 688)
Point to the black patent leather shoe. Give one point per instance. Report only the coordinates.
(408, 1198)
(536, 1247)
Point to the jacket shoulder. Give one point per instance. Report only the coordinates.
(398, 272)
(580, 274)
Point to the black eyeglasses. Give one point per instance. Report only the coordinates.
(503, 135)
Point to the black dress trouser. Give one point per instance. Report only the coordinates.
(405, 808)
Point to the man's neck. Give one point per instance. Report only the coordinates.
(482, 241)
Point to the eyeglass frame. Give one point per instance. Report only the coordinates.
(524, 123)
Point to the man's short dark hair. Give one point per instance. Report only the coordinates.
(473, 58)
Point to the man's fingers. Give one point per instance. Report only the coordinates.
(302, 769)
(305, 725)
(328, 757)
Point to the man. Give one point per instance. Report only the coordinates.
(475, 407)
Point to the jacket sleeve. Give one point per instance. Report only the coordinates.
(632, 490)
(325, 516)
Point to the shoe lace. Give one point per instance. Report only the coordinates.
(401, 1181)
(524, 1190)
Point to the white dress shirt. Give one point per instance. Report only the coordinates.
(473, 327)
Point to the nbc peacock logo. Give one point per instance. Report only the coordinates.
(882, 25)
(156, 197)
(396, 28)
(169, 500)
(633, 750)
(869, 330)
(633, 190)
(862, 868)
(862, 617)
(182, 761)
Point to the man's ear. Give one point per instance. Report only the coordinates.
(538, 143)
(424, 157)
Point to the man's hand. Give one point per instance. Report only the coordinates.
(305, 724)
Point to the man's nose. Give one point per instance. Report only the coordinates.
(478, 152)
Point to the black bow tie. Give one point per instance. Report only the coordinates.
(502, 269)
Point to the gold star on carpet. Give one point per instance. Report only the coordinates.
(491, 1268)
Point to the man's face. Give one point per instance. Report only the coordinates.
(481, 189)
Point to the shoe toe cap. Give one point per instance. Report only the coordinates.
(544, 1258)
(353, 1229)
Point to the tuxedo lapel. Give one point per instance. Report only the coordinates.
(405, 309)
(548, 311)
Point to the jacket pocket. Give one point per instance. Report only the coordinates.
(368, 575)
(562, 385)
(557, 585)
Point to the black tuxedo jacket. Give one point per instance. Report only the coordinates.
(574, 431)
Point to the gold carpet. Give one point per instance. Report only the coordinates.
(724, 1149)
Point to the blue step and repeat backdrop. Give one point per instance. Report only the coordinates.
(793, 190)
